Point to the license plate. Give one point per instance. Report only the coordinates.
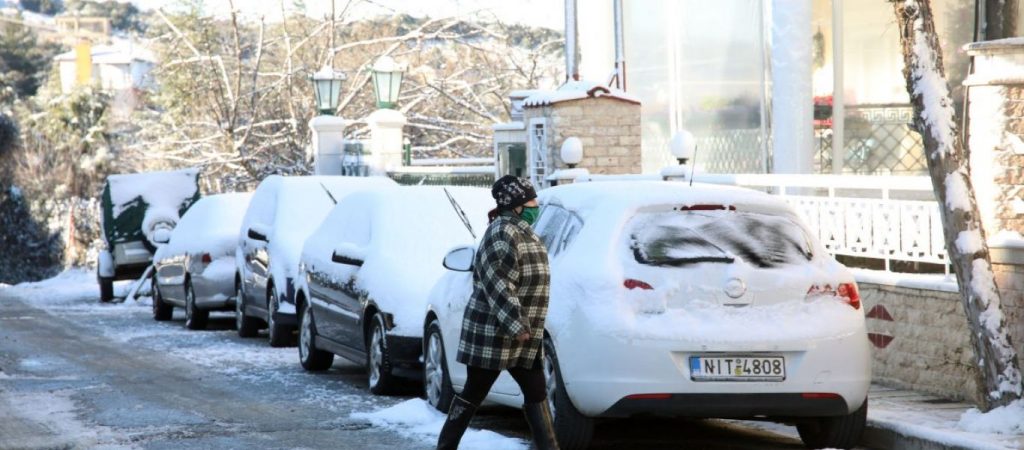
(737, 368)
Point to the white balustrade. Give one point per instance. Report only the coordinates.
(892, 218)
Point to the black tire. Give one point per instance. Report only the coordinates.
(378, 359)
(247, 326)
(278, 335)
(106, 289)
(437, 383)
(195, 318)
(162, 311)
(311, 358)
(835, 432)
(573, 430)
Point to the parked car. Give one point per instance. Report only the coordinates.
(195, 269)
(666, 299)
(139, 212)
(367, 272)
(282, 214)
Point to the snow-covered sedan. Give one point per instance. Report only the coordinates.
(195, 269)
(667, 299)
(282, 214)
(367, 272)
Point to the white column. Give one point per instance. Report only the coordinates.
(328, 144)
(385, 140)
(596, 25)
(838, 96)
(792, 96)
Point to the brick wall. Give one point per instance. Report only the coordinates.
(921, 340)
(608, 128)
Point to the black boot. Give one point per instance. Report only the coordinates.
(538, 415)
(459, 415)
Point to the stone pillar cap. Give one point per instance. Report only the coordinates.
(997, 45)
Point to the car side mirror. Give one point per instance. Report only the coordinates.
(460, 259)
(258, 233)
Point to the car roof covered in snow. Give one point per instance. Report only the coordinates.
(632, 195)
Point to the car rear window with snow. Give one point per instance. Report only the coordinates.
(680, 238)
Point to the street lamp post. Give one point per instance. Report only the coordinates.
(386, 122)
(328, 130)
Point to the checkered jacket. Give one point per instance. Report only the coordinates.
(511, 284)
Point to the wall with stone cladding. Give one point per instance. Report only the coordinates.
(929, 350)
(1008, 164)
(1010, 279)
(608, 128)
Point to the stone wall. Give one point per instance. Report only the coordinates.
(1010, 279)
(921, 340)
(608, 128)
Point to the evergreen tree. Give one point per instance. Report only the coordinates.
(48, 7)
(24, 61)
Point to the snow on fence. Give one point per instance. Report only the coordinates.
(891, 218)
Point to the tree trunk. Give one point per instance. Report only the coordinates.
(999, 376)
(1000, 19)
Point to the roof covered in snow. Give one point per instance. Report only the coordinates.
(576, 90)
(119, 52)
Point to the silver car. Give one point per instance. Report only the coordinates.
(195, 269)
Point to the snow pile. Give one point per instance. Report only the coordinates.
(71, 286)
(415, 418)
(1007, 419)
(210, 226)
(402, 235)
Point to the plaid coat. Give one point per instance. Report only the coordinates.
(511, 284)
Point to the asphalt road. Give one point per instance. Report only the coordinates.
(77, 374)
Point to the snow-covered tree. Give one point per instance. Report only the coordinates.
(998, 369)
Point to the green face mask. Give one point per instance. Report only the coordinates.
(529, 214)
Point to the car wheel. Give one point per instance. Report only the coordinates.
(835, 432)
(279, 335)
(311, 358)
(162, 310)
(195, 318)
(573, 430)
(437, 384)
(106, 289)
(378, 359)
(247, 326)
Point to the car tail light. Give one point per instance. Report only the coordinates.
(206, 258)
(634, 284)
(649, 397)
(846, 291)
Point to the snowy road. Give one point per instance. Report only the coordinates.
(78, 374)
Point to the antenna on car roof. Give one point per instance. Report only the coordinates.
(328, 191)
(694, 168)
(460, 213)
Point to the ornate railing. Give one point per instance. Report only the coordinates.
(878, 139)
(891, 218)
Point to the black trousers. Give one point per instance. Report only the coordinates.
(479, 382)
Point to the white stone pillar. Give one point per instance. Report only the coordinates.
(792, 95)
(328, 144)
(386, 140)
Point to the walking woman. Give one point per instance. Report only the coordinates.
(503, 326)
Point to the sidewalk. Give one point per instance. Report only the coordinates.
(908, 420)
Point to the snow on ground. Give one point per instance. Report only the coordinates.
(57, 411)
(415, 418)
(1007, 419)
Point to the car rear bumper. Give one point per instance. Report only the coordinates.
(731, 406)
(213, 293)
(604, 375)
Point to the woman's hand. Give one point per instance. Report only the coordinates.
(523, 337)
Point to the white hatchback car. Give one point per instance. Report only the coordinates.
(687, 301)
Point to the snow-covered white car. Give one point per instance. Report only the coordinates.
(367, 272)
(282, 214)
(139, 210)
(195, 269)
(688, 301)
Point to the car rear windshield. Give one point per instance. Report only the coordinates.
(680, 238)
